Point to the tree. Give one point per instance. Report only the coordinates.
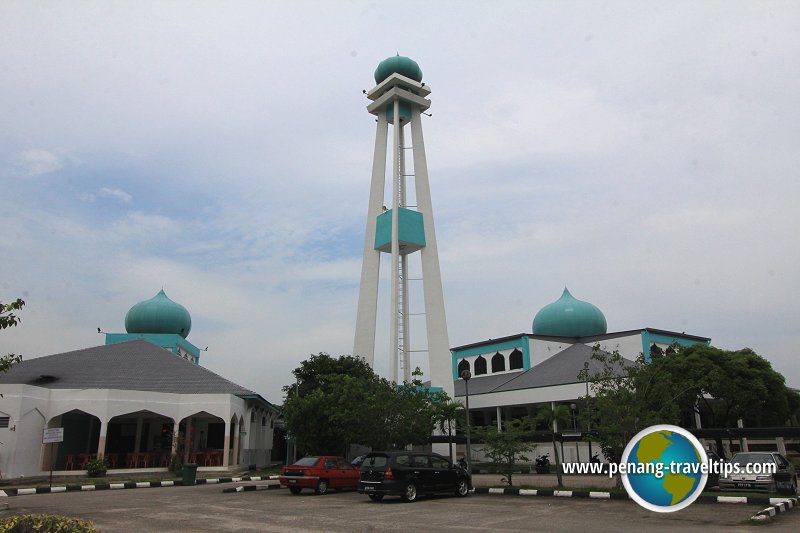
(729, 385)
(552, 417)
(505, 448)
(628, 396)
(336, 402)
(7, 320)
(672, 387)
(449, 413)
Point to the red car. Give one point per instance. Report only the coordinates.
(320, 474)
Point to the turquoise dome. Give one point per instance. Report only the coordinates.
(569, 317)
(159, 314)
(399, 64)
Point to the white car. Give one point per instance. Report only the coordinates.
(784, 480)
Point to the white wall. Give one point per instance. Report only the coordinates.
(33, 408)
(629, 346)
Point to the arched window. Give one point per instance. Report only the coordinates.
(515, 360)
(480, 366)
(498, 363)
(655, 350)
(463, 365)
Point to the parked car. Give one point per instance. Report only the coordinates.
(319, 473)
(358, 460)
(784, 479)
(409, 474)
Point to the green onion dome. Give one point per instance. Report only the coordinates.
(399, 64)
(569, 317)
(159, 314)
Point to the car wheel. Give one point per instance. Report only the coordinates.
(410, 493)
(376, 497)
(462, 489)
(322, 486)
(295, 490)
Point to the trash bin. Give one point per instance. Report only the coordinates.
(189, 474)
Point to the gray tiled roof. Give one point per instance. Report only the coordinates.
(135, 365)
(561, 369)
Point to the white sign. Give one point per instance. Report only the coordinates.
(53, 435)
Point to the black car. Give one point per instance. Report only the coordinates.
(409, 474)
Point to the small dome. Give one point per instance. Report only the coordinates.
(568, 317)
(159, 314)
(399, 64)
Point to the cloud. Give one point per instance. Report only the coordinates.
(37, 161)
(117, 194)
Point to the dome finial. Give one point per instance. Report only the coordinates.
(398, 64)
(569, 317)
(159, 314)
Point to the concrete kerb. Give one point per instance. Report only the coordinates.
(129, 485)
(779, 505)
(602, 495)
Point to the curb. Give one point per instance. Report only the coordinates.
(128, 485)
(510, 491)
(775, 508)
(250, 488)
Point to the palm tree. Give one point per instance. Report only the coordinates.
(552, 417)
(447, 413)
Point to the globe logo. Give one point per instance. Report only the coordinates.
(664, 468)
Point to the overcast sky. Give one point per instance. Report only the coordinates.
(644, 154)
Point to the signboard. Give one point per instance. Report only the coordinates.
(53, 435)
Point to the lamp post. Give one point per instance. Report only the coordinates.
(588, 407)
(466, 375)
(573, 407)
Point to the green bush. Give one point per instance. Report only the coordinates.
(41, 523)
(97, 467)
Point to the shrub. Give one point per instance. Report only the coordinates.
(175, 462)
(97, 467)
(40, 523)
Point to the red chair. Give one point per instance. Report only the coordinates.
(112, 459)
(69, 462)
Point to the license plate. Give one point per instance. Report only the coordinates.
(292, 481)
(368, 488)
(744, 485)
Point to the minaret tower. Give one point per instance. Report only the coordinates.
(399, 99)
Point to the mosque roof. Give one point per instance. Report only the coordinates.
(399, 64)
(569, 317)
(560, 369)
(159, 314)
(134, 365)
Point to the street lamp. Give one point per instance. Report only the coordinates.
(466, 375)
(588, 407)
(574, 408)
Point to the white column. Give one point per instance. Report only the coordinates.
(439, 357)
(499, 418)
(742, 440)
(226, 447)
(101, 441)
(364, 344)
(393, 314)
(175, 429)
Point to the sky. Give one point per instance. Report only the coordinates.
(645, 155)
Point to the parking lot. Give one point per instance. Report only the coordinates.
(207, 508)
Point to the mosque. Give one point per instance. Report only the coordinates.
(142, 401)
(513, 376)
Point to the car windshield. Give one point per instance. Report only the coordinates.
(307, 461)
(374, 461)
(752, 458)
